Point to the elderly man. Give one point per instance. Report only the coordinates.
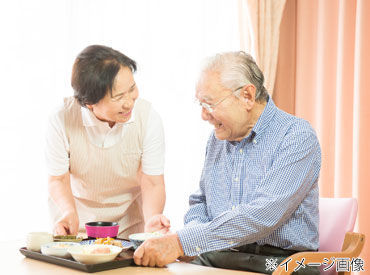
(258, 195)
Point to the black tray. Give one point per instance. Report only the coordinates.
(125, 258)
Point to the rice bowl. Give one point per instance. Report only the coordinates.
(94, 254)
(138, 238)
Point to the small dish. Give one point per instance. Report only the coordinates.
(58, 249)
(94, 254)
(67, 238)
(138, 238)
(101, 229)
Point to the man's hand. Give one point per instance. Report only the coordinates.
(67, 224)
(157, 223)
(159, 251)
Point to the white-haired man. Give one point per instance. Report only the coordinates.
(258, 195)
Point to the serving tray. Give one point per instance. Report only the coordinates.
(125, 258)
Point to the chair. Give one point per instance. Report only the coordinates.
(337, 220)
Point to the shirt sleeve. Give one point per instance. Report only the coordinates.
(153, 145)
(57, 147)
(294, 171)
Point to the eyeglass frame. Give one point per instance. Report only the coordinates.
(211, 107)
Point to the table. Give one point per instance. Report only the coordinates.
(13, 262)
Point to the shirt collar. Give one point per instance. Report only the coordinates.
(90, 120)
(264, 119)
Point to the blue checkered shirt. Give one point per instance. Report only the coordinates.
(263, 189)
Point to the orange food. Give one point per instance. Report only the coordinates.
(101, 250)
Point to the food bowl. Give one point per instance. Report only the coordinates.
(58, 249)
(138, 238)
(101, 229)
(94, 254)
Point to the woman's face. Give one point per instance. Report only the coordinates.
(117, 107)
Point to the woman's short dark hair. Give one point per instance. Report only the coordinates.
(94, 71)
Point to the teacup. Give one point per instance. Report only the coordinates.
(36, 239)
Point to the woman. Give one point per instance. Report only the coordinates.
(105, 150)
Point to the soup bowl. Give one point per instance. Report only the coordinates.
(101, 229)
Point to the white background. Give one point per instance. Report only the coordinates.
(39, 42)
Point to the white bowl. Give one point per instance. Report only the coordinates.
(138, 238)
(86, 254)
(58, 249)
(36, 239)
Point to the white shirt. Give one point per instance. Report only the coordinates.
(99, 133)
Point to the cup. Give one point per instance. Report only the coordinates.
(36, 239)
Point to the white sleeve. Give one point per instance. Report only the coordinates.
(153, 145)
(57, 147)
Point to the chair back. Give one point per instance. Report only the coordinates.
(337, 217)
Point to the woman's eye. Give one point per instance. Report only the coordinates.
(117, 98)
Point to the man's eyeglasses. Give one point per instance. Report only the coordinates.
(211, 107)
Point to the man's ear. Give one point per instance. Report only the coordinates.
(89, 106)
(248, 95)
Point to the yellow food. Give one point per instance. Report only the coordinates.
(109, 241)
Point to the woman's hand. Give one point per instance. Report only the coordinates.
(61, 193)
(67, 224)
(158, 223)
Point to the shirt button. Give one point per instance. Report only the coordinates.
(231, 242)
(236, 179)
(197, 248)
(255, 141)
(241, 151)
(232, 208)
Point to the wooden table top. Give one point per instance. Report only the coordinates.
(14, 262)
